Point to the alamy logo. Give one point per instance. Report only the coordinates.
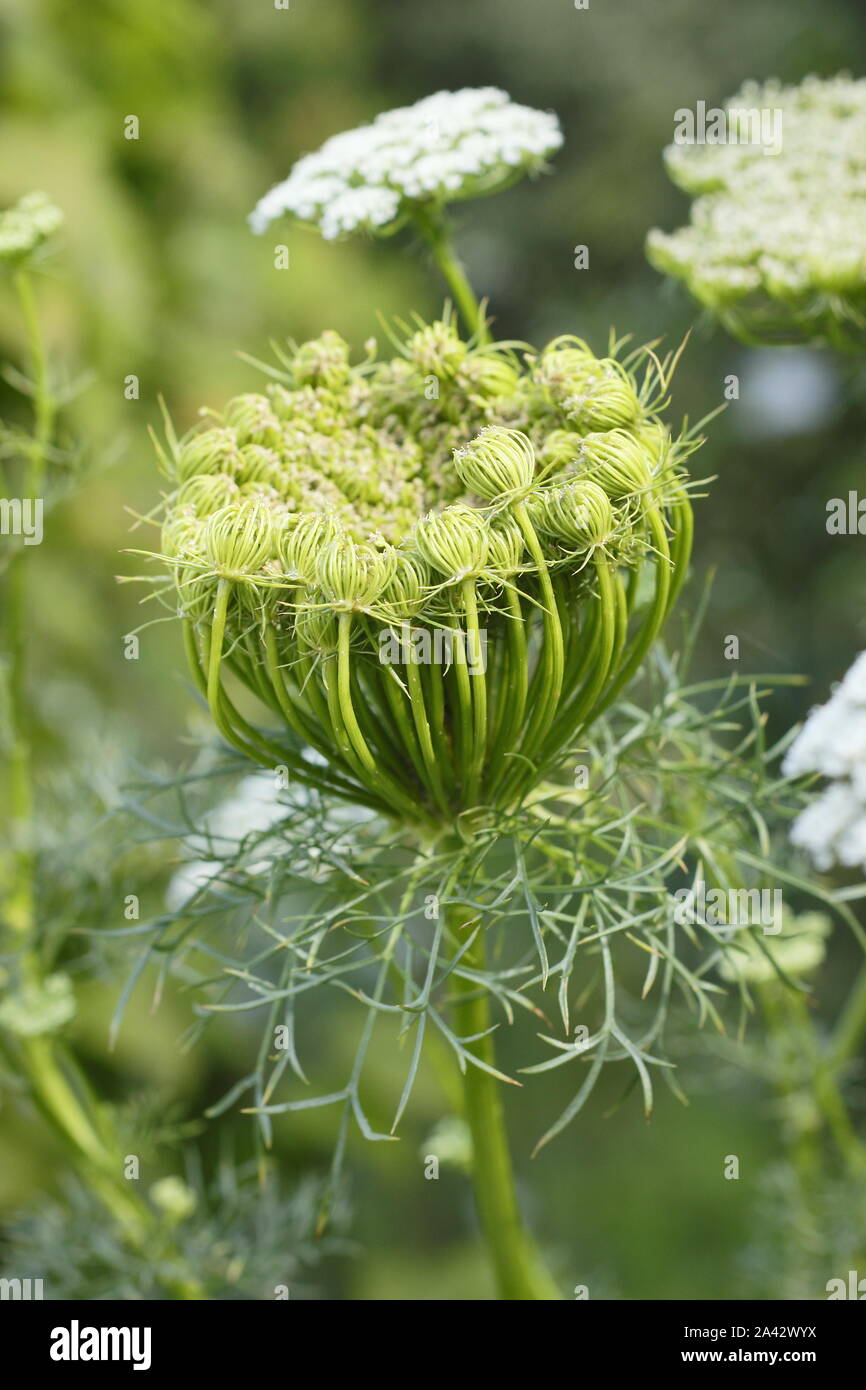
(419, 646)
(22, 516)
(21, 1290)
(76, 1343)
(729, 907)
(855, 1287)
(738, 125)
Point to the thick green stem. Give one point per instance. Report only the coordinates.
(436, 232)
(520, 1274)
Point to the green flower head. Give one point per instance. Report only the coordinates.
(347, 500)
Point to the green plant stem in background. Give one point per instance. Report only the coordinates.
(42, 1059)
(520, 1274)
(436, 231)
(19, 906)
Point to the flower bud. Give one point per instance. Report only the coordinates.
(617, 461)
(505, 546)
(324, 361)
(437, 350)
(353, 576)
(259, 464)
(299, 541)
(207, 493)
(563, 368)
(577, 513)
(560, 448)
(454, 542)
(606, 401)
(253, 419)
(209, 451)
(497, 464)
(238, 540)
(405, 591)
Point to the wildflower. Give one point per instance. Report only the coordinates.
(452, 145)
(774, 247)
(346, 499)
(832, 742)
(27, 226)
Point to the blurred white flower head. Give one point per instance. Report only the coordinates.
(833, 742)
(775, 246)
(451, 145)
(254, 808)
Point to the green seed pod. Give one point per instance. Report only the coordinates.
(207, 493)
(497, 464)
(487, 375)
(300, 540)
(563, 368)
(505, 546)
(406, 589)
(353, 576)
(209, 451)
(617, 461)
(560, 448)
(259, 464)
(607, 400)
(239, 539)
(577, 514)
(254, 420)
(454, 542)
(323, 361)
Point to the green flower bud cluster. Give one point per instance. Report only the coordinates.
(425, 568)
(775, 248)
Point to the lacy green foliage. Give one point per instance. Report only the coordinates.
(433, 571)
(774, 246)
(573, 896)
(243, 1239)
(808, 1233)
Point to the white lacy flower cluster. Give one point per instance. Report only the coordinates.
(777, 234)
(833, 742)
(24, 227)
(450, 145)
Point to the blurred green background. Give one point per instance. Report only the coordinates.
(159, 277)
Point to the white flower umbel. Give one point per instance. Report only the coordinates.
(833, 742)
(775, 246)
(450, 145)
(407, 165)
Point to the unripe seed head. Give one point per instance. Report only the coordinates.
(578, 514)
(454, 542)
(239, 539)
(497, 464)
(324, 361)
(209, 451)
(300, 541)
(617, 461)
(353, 576)
(253, 419)
(606, 401)
(405, 591)
(505, 546)
(207, 493)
